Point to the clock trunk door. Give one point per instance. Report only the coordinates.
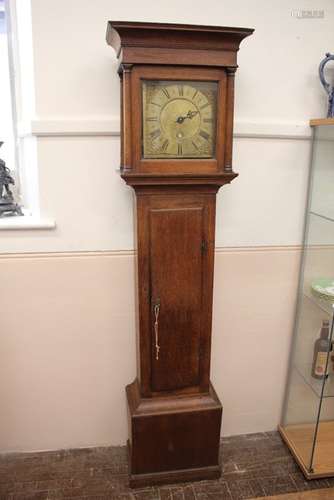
(176, 273)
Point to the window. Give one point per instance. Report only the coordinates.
(17, 110)
(7, 106)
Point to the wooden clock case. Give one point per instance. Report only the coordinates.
(174, 412)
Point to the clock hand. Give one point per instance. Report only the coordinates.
(180, 119)
(190, 115)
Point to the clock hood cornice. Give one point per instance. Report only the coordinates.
(131, 41)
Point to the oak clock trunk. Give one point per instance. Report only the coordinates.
(177, 86)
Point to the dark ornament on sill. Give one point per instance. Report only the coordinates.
(327, 86)
(7, 203)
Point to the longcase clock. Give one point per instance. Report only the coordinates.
(177, 85)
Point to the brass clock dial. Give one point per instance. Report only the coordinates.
(179, 119)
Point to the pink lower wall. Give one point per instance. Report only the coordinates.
(67, 346)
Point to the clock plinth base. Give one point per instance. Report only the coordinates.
(175, 476)
(173, 438)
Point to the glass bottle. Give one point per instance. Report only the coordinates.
(321, 348)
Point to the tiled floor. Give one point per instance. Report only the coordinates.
(254, 465)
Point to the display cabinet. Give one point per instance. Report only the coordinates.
(308, 414)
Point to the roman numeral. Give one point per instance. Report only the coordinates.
(152, 119)
(204, 105)
(179, 149)
(180, 88)
(155, 134)
(155, 104)
(195, 145)
(164, 145)
(207, 120)
(165, 91)
(204, 134)
(195, 94)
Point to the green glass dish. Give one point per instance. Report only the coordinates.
(323, 288)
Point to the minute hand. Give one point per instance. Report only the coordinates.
(189, 115)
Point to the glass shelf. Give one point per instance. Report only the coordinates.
(316, 385)
(320, 230)
(324, 305)
(325, 217)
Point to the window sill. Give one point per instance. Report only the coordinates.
(26, 222)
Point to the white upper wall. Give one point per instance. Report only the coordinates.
(277, 79)
(77, 90)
